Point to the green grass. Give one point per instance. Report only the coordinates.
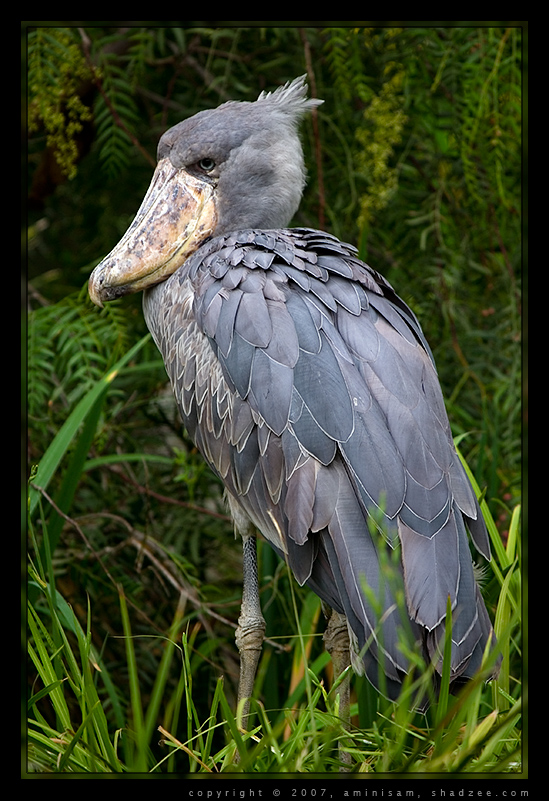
(75, 724)
(79, 723)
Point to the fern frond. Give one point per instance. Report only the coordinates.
(344, 53)
(115, 117)
(70, 346)
(116, 112)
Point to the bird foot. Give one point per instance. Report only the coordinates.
(336, 642)
(249, 637)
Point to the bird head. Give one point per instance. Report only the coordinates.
(234, 167)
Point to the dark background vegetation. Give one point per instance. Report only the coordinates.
(415, 157)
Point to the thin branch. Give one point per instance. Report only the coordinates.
(167, 499)
(142, 543)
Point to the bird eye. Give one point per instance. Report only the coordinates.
(206, 164)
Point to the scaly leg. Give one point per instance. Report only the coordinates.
(336, 640)
(251, 627)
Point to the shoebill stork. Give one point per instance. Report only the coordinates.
(309, 388)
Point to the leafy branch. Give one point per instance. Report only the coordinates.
(57, 71)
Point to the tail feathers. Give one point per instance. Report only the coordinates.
(431, 571)
(353, 577)
(367, 595)
(375, 648)
(436, 570)
(470, 635)
(398, 606)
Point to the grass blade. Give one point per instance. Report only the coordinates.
(139, 757)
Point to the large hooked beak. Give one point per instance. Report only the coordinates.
(177, 214)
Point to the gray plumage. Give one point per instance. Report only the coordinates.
(309, 388)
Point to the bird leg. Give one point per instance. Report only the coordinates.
(251, 627)
(336, 641)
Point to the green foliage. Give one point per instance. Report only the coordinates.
(115, 114)
(385, 120)
(438, 150)
(345, 57)
(56, 70)
(70, 345)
